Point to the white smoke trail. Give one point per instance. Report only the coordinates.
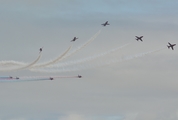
(141, 54)
(68, 55)
(33, 63)
(52, 61)
(85, 44)
(11, 63)
(16, 63)
(101, 63)
(23, 67)
(88, 58)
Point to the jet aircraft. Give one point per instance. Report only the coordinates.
(79, 76)
(74, 39)
(10, 77)
(41, 49)
(171, 45)
(139, 38)
(106, 23)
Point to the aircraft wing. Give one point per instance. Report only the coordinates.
(172, 48)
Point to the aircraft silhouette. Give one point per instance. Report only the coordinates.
(10, 77)
(139, 38)
(74, 39)
(79, 76)
(41, 49)
(106, 23)
(171, 45)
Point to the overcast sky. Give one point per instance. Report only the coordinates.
(144, 88)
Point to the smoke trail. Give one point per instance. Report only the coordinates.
(45, 77)
(10, 63)
(68, 55)
(4, 77)
(53, 61)
(66, 77)
(85, 44)
(23, 67)
(16, 63)
(34, 78)
(23, 80)
(141, 54)
(31, 63)
(88, 58)
(101, 63)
